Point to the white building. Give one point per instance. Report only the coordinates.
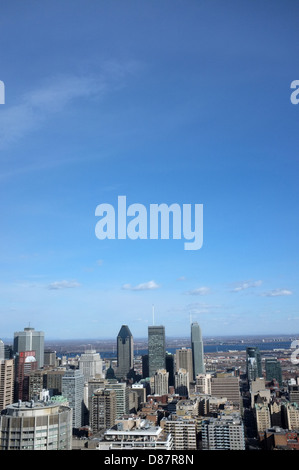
(291, 413)
(91, 364)
(161, 382)
(43, 425)
(183, 431)
(203, 384)
(223, 433)
(135, 434)
(122, 397)
(181, 382)
(262, 416)
(73, 390)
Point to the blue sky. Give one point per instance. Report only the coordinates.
(163, 102)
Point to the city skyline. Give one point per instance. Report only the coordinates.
(88, 343)
(164, 104)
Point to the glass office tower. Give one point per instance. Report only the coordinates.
(156, 349)
(273, 370)
(253, 363)
(197, 350)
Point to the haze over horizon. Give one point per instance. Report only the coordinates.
(143, 339)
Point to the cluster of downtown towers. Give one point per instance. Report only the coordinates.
(156, 350)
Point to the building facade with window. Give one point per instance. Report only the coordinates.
(43, 425)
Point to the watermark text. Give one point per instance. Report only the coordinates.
(295, 94)
(134, 222)
(2, 92)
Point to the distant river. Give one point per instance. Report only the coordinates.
(210, 348)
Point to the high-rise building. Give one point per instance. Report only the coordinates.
(125, 352)
(140, 389)
(50, 358)
(182, 430)
(203, 384)
(36, 426)
(145, 369)
(223, 433)
(169, 364)
(156, 349)
(8, 351)
(2, 351)
(227, 386)
(259, 392)
(182, 382)
(183, 359)
(53, 381)
(6, 382)
(73, 391)
(37, 380)
(253, 363)
(133, 399)
(95, 384)
(262, 416)
(273, 370)
(122, 398)
(276, 413)
(161, 382)
(197, 350)
(291, 415)
(25, 363)
(90, 364)
(293, 393)
(102, 409)
(30, 340)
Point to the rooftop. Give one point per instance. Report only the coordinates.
(22, 407)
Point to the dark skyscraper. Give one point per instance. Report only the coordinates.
(125, 352)
(197, 350)
(145, 371)
(169, 362)
(156, 349)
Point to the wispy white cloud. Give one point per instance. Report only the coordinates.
(144, 286)
(198, 308)
(34, 107)
(96, 265)
(277, 293)
(63, 285)
(199, 291)
(246, 285)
